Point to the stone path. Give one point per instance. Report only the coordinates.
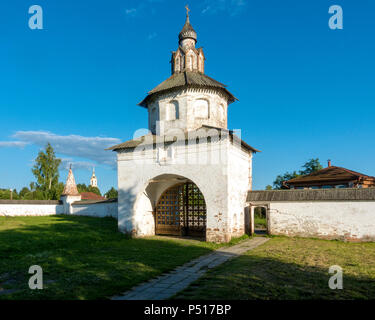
(167, 285)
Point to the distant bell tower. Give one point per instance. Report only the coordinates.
(93, 180)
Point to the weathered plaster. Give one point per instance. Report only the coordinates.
(346, 220)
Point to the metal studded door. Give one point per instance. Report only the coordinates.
(181, 210)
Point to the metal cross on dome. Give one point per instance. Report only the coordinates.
(187, 10)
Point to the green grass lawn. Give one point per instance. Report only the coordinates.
(83, 257)
(260, 223)
(291, 268)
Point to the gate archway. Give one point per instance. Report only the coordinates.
(181, 210)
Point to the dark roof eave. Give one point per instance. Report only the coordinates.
(143, 103)
(122, 146)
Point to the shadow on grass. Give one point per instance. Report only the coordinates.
(252, 277)
(83, 257)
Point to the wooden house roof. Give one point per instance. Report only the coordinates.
(330, 174)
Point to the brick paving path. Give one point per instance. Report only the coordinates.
(167, 285)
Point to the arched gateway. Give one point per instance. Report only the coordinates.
(181, 210)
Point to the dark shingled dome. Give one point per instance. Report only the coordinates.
(187, 31)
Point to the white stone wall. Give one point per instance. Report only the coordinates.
(96, 209)
(13, 210)
(37, 209)
(347, 220)
(222, 179)
(195, 107)
(239, 175)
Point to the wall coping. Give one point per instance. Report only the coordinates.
(32, 202)
(88, 202)
(348, 194)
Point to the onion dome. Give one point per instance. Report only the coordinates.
(187, 31)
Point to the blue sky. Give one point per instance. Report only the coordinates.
(304, 90)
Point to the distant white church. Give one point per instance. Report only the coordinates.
(93, 180)
(190, 175)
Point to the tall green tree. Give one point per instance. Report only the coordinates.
(46, 172)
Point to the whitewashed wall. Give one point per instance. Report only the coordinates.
(13, 210)
(192, 111)
(95, 209)
(346, 220)
(38, 208)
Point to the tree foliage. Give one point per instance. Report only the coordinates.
(86, 188)
(309, 167)
(111, 193)
(5, 194)
(82, 187)
(46, 172)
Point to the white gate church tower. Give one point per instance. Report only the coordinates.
(190, 175)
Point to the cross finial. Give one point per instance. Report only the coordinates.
(187, 10)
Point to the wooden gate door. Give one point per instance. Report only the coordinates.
(181, 210)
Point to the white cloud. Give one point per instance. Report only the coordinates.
(92, 148)
(145, 6)
(152, 36)
(131, 12)
(13, 144)
(232, 7)
(76, 165)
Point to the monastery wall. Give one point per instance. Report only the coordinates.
(15, 208)
(345, 220)
(344, 214)
(96, 209)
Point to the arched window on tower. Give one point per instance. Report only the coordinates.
(201, 66)
(221, 112)
(201, 109)
(177, 64)
(153, 119)
(172, 111)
